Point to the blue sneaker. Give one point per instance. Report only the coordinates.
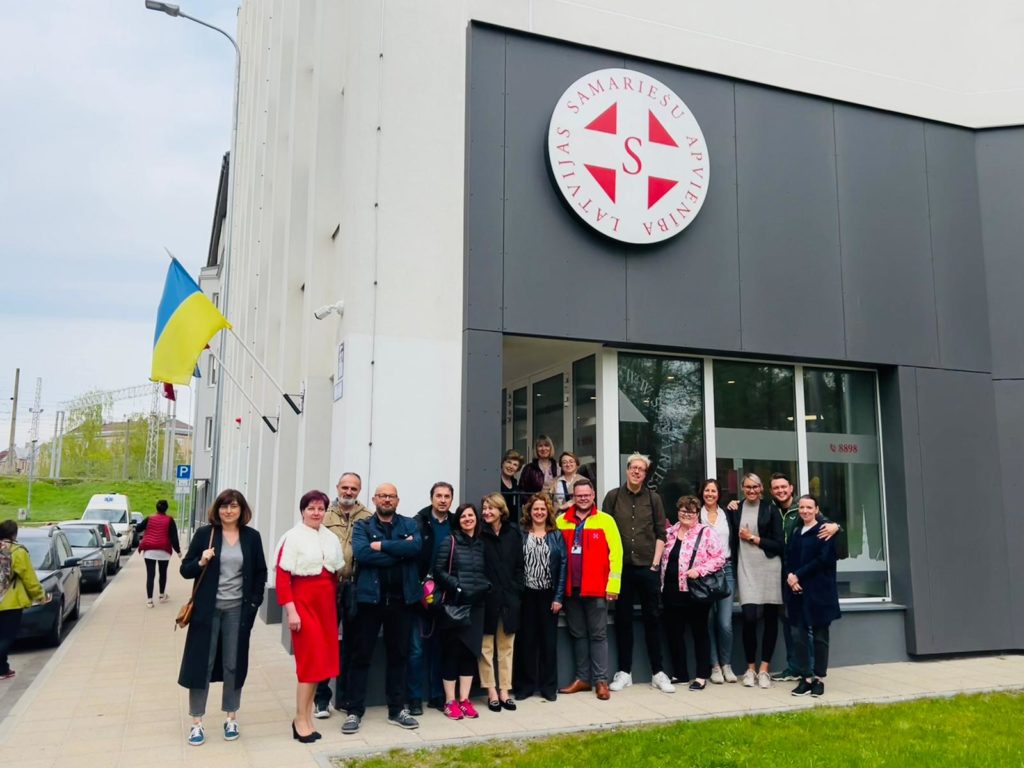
(197, 737)
(230, 730)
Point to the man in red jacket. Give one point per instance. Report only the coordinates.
(593, 580)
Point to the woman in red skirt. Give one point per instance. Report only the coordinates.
(308, 558)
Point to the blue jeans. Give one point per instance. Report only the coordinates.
(791, 636)
(424, 657)
(720, 623)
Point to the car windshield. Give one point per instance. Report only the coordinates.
(38, 547)
(81, 537)
(107, 515)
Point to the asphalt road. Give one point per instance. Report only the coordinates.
(28, 657)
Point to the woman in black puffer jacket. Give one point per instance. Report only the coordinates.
(459, 570)
(503, 564)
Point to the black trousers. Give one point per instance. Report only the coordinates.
(536, 663)
(639, 584)
(10, 623)
(322, 697)
(396, 619)
(771, 631)
(456, 659)
(151, 568)
(678, 616)
(801, 634)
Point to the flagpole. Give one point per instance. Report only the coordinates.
(263, 368)
(234, 381)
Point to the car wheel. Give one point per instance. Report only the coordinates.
(117, 564)
(102, 583)
(54, 636)
(77, 610)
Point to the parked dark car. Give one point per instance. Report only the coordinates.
(137, 517)
(58, 572)
(112, 553)
(87, 545)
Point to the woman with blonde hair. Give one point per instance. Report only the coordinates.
(503, 566)
(544, 563)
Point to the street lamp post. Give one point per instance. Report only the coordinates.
(176, 12)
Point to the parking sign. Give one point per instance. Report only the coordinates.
(183, 472)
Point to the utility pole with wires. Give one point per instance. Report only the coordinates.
(14, 421)
(35, 411)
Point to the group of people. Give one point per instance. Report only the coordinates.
(476, 592)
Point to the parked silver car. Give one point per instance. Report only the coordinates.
(87, 545)
(111, 543)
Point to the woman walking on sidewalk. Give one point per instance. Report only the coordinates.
(19, 588)
(226, 560)
(159, 539)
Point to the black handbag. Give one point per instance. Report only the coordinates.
(454, 615)
(709, 588)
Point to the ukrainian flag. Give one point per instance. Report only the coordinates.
(185, 323)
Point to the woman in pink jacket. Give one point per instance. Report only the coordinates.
(680, 610)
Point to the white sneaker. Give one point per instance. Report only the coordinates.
(716, 676)
(164, 598)
(749, 679)
(149, 603)
(730, 676)
(620, 681)
(764, 680)
(662, 683)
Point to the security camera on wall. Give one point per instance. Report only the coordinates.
(327, 309)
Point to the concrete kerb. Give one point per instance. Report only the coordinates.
(336, 759)
(29, 696)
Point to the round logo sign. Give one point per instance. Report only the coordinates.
(628, 156)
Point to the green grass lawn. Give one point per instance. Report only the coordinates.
(55, 500)
(983, 730)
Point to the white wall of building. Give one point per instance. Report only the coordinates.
(350, 186)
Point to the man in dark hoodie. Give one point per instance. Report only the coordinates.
(435, 523)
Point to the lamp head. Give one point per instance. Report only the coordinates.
(168, 8)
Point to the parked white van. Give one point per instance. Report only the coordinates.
(113, 508)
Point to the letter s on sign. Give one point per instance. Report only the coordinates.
(632, 154)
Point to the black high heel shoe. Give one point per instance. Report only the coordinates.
(304, 739)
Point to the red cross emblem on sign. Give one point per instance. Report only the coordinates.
(628, 156)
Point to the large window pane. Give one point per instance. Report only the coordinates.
(843, 470)
(520, 414)
(755, 429)
(548, 412)
(506, 417)
(661, 413)
(584, 414)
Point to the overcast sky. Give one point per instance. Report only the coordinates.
(115, 120)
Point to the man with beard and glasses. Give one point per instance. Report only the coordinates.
(342, 515)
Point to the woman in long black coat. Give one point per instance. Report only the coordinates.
(227, 598)
(812, 597)
(503, 564)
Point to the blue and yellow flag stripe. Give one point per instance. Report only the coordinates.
(185, 322)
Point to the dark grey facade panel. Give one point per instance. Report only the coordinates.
(958, 261)
(1000, 157)
(830, 232)
(485, 173)
(901, 468)
(1009, 400)
(790, 272)
(482, 412)
(964, 526)
(888, 287)
(559, 277)
(685, 292)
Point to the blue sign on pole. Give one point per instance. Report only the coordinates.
(184, 472)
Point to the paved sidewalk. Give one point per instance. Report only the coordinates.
(109, 696)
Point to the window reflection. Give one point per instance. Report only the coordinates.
(661, 414)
